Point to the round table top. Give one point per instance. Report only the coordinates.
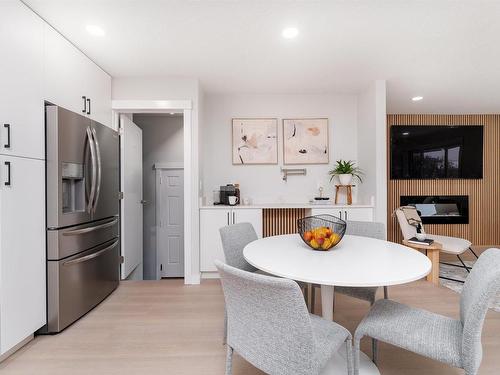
(356, 261)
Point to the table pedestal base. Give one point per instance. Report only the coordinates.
(337, 365)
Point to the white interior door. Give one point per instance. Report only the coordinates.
(131, 181)
(170, 222)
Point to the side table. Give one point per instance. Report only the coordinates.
(432, 252)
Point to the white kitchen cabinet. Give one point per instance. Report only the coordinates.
(21, 80)
(98, 88)
(351, 213)
(249, 215)
(73, 81)
(210, 244)
(22, 249)
(211, 219)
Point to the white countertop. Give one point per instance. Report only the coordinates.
(287, 205)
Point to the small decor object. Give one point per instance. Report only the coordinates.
(255, 141)
(321, 198)
(321, 232)
(425, 242)
(305, 141)
(348, 193)
(346, 170)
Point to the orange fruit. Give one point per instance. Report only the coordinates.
(308, 236)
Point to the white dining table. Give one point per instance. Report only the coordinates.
(355, 262)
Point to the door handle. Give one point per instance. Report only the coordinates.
(94, 170)
(90, 229)
(84, 110)
(340, 215)
(228, 223)
(234, 218)
(7, 126)
(90, 256)
(88, 106)
(345, 215)
(143, 201)
(8, 182)
(99, 168)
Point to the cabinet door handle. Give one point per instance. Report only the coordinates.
(7, 126)
(340, 215)
(84, 110)
(88, 106)
(345, 215)
(234, 218)
(8, 182)
(228, 223)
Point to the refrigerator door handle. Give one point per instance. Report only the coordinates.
(91, 256)
(77, 232)
(94, 170)
(99, 170)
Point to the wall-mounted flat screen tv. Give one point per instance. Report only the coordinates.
(433, 152)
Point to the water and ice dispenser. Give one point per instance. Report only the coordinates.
(73, 187)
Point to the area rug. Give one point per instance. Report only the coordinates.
(461, 274)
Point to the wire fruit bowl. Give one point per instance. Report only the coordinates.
(321, 232)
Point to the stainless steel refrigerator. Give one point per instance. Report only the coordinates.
(83, 252)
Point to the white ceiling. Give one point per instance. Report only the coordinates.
(446, 51)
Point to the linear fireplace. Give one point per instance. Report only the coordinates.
(439, 209)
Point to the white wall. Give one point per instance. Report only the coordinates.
(175, 88)
(372, 145)
(162, 141)
(264, 183)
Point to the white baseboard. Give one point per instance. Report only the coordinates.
(210, 275)
(194, 279)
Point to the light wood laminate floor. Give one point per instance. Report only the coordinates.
(164, 327)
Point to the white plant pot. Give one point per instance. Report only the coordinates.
(345, 179)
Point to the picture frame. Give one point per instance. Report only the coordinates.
(306, 141)
(254, 141)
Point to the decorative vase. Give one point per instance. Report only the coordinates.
(345, 179)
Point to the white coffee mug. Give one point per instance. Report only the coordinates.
(233, 200)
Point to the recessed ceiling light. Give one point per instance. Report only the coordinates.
(172, 113)
(417, 98)
(95, 30)
(290, 32)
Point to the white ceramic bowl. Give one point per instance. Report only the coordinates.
(420, 236)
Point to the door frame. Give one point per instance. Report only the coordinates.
(191, 170)
(158, 167)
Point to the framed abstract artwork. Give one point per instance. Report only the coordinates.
(255, 141)
(305, 141)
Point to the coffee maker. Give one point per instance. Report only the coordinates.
(227, 191)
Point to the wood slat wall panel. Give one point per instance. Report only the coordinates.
(276, 221)
(484, 195)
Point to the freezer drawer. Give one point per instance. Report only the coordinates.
(79, 283)
(62, 243)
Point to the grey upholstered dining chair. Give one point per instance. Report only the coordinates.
(364, 229)
(455, 342)
(234, 239)
(269, 325)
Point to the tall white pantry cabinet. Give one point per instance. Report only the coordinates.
(37, 64)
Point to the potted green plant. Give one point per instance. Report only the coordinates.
(346, 170)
